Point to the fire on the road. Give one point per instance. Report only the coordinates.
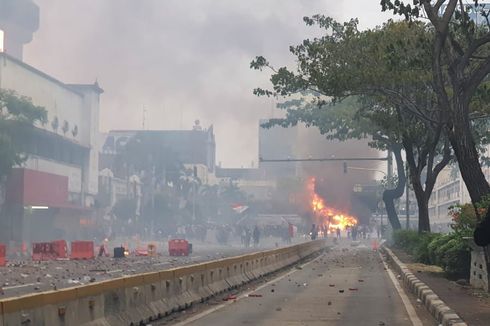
(327, 216)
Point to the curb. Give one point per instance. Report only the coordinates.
(435, 306)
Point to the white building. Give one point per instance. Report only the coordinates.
(61, 172)
(449, 190)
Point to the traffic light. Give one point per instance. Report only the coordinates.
(345, 167)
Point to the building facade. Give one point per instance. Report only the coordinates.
(59, 180)
(449, 190)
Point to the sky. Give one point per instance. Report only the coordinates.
(170, 62)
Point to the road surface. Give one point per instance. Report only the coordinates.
(347, 286)
(22, 277)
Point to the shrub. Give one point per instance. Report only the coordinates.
(414, 243)
(433, 248)
(421, 250)
(449, 251)
(453, 255)
(406, 239)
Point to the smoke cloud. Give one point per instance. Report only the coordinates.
(180, 60)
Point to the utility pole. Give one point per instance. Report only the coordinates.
(407, 198)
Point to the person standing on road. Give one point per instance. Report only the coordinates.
(256, 235)
(247, 238)
(314, 232)
(338, 232)
(290, 232)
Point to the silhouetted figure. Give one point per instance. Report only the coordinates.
(338, 232)
(314, 232)
(256, 235)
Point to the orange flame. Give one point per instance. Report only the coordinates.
(329, 217)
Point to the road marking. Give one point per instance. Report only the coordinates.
(406, 302)
(114, 271)
(244, 295)
(19, 286)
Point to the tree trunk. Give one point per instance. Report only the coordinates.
(470, 168)
(423, 204)
(418, 189)
(469, 162)
(389, 195)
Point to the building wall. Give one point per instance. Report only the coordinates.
(78, 105)
(449, 190)
(59, 100)
(73, 173)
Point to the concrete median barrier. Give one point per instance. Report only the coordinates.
(142, 298)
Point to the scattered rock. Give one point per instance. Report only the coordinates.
(462, 282)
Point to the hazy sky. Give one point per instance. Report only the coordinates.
(181, 60)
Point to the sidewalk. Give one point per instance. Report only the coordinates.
(472, 305)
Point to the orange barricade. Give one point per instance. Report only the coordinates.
(3, 250)
(82, 250)
(178, 247)
(60, 248)
(49, 250)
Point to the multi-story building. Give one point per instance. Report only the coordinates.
(52, 194)
(449, 190)
(192, 147)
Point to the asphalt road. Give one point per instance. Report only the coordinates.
(347, 286)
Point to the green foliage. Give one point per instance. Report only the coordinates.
(464, 218)
(449, 251)
(414, 243)
(406, 239)
(17, 117)
(421, 251)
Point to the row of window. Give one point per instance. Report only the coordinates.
(55, 148)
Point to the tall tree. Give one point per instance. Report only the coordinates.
(17, 119)
(348, 120)
(460, 65)
(348, 62)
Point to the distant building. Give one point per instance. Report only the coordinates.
(52, 194)
(197, 147)
(250, 181)
(449, 190)
(19, 19)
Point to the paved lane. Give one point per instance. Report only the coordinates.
(343, 287)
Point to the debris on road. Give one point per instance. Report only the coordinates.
(252, 295)
(230, 297)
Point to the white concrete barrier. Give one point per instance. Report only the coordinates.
(146, 297)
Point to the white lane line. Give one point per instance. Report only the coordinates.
(114, 271)
(19, 286)
(244, 295)
(406, 302)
